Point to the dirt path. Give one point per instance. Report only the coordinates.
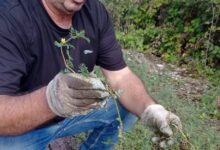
(187, 85)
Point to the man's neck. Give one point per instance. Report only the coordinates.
(60, 18)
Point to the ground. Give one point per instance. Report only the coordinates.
(187, 86)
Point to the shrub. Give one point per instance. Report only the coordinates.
(185, 32)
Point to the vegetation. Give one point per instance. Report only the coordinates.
(65, 46)
(186, 32)
(197, 127)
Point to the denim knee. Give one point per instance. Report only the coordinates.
(128, 119)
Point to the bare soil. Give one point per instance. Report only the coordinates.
(188, 86)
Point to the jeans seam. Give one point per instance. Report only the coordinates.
(62, 127)
(92, 145)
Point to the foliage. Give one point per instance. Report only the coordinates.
(186, 32)
(198, 129)
(65, 46)
(84, 70)
(208, 102)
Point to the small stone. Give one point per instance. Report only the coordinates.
(170, 142)
(160, 66)
(155, 140)
(163, 144)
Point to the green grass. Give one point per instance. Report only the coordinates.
(199, 130)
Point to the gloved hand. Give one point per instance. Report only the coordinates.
(159, 118)
(72, 94)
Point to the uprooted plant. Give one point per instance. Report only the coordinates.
(65, 47)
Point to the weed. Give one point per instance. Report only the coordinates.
(74, 34)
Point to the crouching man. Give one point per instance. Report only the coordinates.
(38, 103)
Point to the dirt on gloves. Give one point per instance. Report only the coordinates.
(157, 117)
(72, 94)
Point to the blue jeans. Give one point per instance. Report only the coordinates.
(102, 122)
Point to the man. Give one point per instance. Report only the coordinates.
(38, 103)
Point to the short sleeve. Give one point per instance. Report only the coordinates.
(110, 54)
(12, 64)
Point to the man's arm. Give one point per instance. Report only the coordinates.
(19, 114)
(134, 96)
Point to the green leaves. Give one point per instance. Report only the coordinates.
(65, 45)
(57, 44)
(78, 34)
(84, 70)
(178, 31)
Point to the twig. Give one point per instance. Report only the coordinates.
(114, 94)
(184, 136)
(64, 60)
(210, 33)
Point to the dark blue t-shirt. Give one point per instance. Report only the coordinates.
(28, 57)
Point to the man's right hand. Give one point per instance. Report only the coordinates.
(72, 94)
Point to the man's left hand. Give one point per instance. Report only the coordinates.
(158, 117)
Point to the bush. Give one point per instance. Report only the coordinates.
(185, 32)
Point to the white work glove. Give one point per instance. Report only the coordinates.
(157, 117)
(73, 94)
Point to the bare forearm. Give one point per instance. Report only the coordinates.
(134, 96)
(19, 114)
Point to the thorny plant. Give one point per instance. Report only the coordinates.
(64, 45)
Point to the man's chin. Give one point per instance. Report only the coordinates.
(72, 10)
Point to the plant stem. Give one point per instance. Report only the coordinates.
(210, 33)
(119, 118)
(111, 91)
(64, 60)
(184, 136)
(120, 131)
